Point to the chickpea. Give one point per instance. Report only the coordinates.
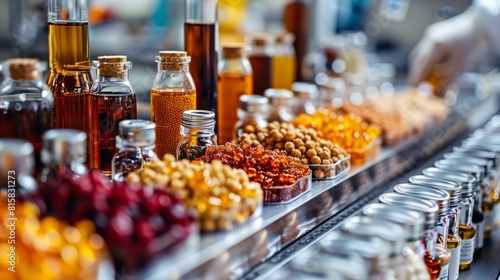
(277, 137)
(279, 146)
(255, 143)
(268, 147)
(335, 159)
(311, 153)
(302, 149)
(326, 161)
(289, 146)
(253, 136)
(307, 138)
(261, 136)
(249, 128)
(330, 173)
(324, 155)
(298, 142)
(300, 135)
(318, 173)
(269, 141)
(296, 153)
(283, 131)
(289, 136)
(315, 160)
(273, 131)
(304, 161)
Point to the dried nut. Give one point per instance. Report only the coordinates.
(315, 160)
(318, 173)
(255, 143)
(302, 149)
(296, 153)
(298, 142)
(289, 136)
(279, 146)
(325, 161)
(249, 129)
(324, 155)
(289, 146)
(277, 137)
(309, 144)
(330, 173)
(304, 161)
(261, 136)
(311, 153)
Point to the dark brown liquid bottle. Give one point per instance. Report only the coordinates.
(261, 60)
(295, 18)
(69, 65)
(200, 35)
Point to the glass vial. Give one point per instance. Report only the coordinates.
(112, 99)
(26, 104)
(295, 17)
(200, 41)
(283, 63)
(173, 92)
(252, 112)
(69, 62)
(260, 57)
(304, 96)
(198, 133)
(135, 143)
(235, 80)
(281, 101)
(16, 170)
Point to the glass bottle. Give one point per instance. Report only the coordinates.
(467, 232)
(69, 63)
(235, 80)
(111, 99)
(173, 92)
(260, 58)
(280, 101)
(453, 241)
(200, 41)
(429, 209)
(442, 199)
(283, 62)
(26, 104)
(198, 130)
(295, 18)
(16, 171)
(252, 111)
(135, 143)
(304, 96)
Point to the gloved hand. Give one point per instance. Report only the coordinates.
(451, 42)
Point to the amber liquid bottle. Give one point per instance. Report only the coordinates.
(295, 18)
(200, 35)
(112, 99)
(261, 60)
(173, 92)
(283, 64)
(235, 80)
(69, 64)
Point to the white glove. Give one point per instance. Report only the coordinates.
(452, 42)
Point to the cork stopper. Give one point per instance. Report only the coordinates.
(173, 60)
(23, 68)
(112, 66)
(285, 38)
(233, 51)
(261, 39)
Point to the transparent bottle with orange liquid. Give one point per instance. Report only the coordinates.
(284, 62)
(235, 80)
(173, 92)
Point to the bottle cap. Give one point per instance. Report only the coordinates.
(413, 221)
(64, 146)
(112, 65)
(253, 103)
(261, 39)
(137, 130)
(477, 153)
(468, 168)
(466, 181)
(441, 198)
(23, 68)
(201, 119)
(278, 97)
(233, 51)
(427, 207)
(452, 188)
(173, 60)
(484, 163)
(304, 91)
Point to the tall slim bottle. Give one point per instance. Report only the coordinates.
(295, 18)
(283, 64)
(69, 64)
(200, 41)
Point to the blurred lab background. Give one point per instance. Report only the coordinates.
(373, 37)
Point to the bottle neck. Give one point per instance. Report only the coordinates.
(430, 239)
(467, 208)
(53, 169)
(119, 77)
(196, 131)
(69, 59)
(454, 220)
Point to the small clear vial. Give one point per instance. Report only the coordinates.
(252, 112)
(198, 132)
(16, 169)
(281, 101)
(135, 143)
(304, 96)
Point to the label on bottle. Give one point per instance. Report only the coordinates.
(467, 250)
(443, 274)
(479, 235)
(454, 263)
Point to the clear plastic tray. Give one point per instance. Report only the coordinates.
(359, 156)
(286, 194)
(331, 171)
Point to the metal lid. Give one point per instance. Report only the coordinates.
(477, 153)
(413, 221)
(278, 97)
(137, 130)
(427, 207)
(16, 155)
(64, 146)
(481, 145)
(468, 168)
(452, 188)
(304, 91)
(253, 103)
(201, 119)
(441, 198)
(466, 181)
(484, 163)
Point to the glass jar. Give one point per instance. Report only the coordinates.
(235, 80)
(413, 221)
(111, 100)
(252, 112)
(453, 241)
(429, 210)
(466, 231)
(198, 133)
(280, 101)
(283, 62)
(16, 170)
(26, 104)
(260, 57)
(304, 96)
(173, 92)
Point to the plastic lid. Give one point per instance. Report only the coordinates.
(427, 207)
(452, 188)
(441, 198)
(278, 97)
(137, 130)
(201, 119)
(64, 146)
(16, 155)
(468, 168)
(467, 181)
(412, 220)
(253, 103)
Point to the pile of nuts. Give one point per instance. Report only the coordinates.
(221, 195)
(304, 143)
